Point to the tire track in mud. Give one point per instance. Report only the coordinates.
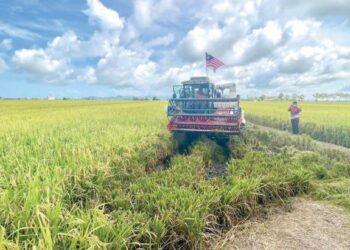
(214, 168)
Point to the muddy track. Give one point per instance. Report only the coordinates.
(215, 168)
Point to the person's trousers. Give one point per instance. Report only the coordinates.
(295, 125)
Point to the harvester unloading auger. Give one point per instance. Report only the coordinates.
(198, 107)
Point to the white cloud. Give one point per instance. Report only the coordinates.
(67, 45)
(161, 40)
(303, 59)
(3, 65)
(107, 18)
(344, 52)
(300, 29)
(296, 63)
(143, 12)
(123, 67)
(53, 68)
(147, 12)
(222, 8)
(152, 16)
(146, 70)
(86, 75)
(222, 24)
(13, 31)
(266, 46)
(56, 62)
(318, 8)
(70, 46)
(198, 41)
(6, 44)
(260, 43)
(39, 63)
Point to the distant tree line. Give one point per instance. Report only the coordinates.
(332, 96)
(154, 98)
(301, 97)
(280, 97)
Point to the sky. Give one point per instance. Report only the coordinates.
(105, 48)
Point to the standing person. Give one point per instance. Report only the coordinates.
(294, 116)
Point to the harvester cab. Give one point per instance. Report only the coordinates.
(199, 106)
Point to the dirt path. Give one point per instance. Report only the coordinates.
(308, 225)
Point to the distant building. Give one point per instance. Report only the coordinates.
(51, 98)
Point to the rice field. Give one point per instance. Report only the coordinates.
(93, 175)
(325, 121)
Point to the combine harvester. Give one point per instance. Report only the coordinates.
(199, 107)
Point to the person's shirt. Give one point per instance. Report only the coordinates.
(294, 111)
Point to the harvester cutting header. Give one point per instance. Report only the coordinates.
(200, 106)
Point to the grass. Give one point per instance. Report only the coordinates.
(84, 174)
(325, 121)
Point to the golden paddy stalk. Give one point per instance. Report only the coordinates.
(84, 174)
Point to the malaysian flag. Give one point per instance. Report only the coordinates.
(213, 62)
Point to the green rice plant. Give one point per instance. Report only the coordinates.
(336, 191)
(324, 121)
(71, 154)
(275, 141)
(327, 167)
(180, 199)
(89, 175)
(340, 169)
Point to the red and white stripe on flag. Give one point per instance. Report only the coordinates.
(213, 62)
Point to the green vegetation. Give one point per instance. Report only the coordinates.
(85, 174)
(324, 121)
(330, 167)
(62, 162)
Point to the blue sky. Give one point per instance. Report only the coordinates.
(106, 48)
